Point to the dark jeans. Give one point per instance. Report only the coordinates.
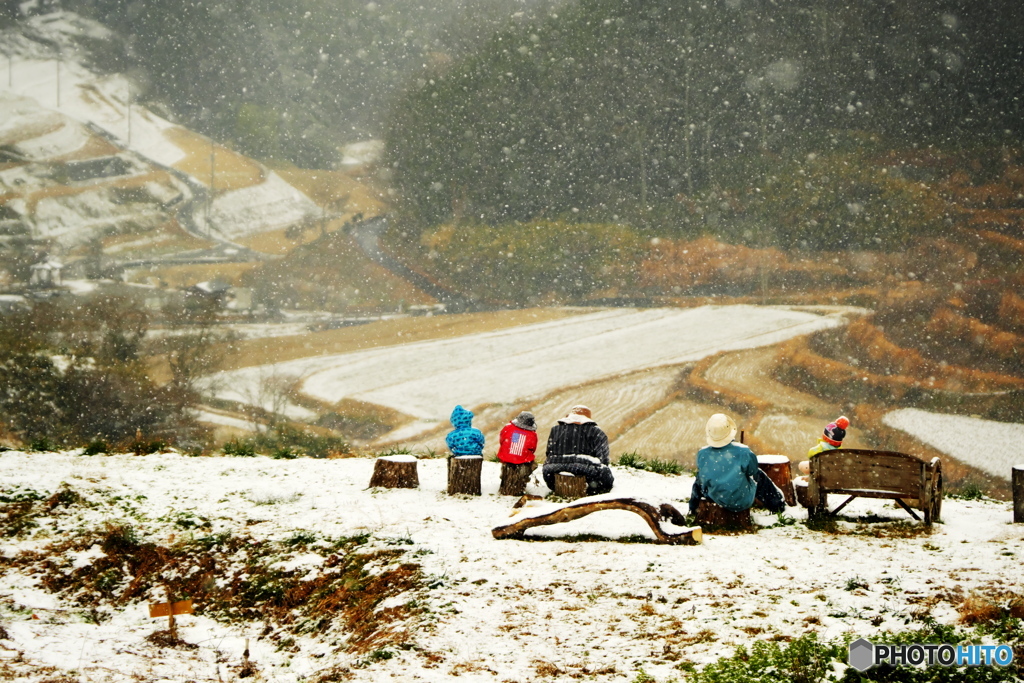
(767, 492)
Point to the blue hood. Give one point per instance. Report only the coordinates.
(462, 418)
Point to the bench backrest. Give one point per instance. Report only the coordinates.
(856, 468)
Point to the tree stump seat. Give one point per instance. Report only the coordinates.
(464, 474)
(514, 478)
(395, 472)
(714, 517)
(777, 468)
(570, 486)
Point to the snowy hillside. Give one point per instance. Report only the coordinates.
(54, 108)
(464, 603)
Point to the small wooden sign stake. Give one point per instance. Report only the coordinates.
(169, 609)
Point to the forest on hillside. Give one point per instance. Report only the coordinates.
(757, 120)
(289, 80)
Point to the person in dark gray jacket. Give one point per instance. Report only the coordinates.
(579, 447)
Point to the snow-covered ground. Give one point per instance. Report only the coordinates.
(496, 610)
(994, 447)
(510, 366)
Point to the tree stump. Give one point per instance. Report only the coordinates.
(715, 517)
(395, 472)
(569, 486)
(777, 468)
(1017, 482)
(464, 474)
(514, 478)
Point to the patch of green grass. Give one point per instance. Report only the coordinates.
(855, 582)
(42, 444)
(967, 489)
(807, 659)
(239, 448)
(284, 453)
(20, 494)
(634, 460)
(300, 537)
(95, 447)
(289, 442)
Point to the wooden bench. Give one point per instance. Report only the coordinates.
(862, 473)
(532, 511)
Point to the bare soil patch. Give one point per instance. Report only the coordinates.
(751, 372)
(675, 433)
(231, 171)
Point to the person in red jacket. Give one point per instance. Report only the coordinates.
(518, 439)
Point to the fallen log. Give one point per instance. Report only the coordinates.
(655, 516)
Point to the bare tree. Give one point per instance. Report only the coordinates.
(271, 396)
(195, 346)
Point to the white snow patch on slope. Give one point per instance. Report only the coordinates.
(50, 100)
(426, 379)
(272, 204)
(993, 447)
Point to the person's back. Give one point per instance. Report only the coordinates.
(517, 441)
(464, 439)
(727, 475)
(576, 445)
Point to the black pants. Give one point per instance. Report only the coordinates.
(767, 492)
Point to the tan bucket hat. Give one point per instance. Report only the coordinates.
(720, 430)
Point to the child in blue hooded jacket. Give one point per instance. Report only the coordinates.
(464, 439)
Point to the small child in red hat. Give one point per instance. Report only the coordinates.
(831, 439)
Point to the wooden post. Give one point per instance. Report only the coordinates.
(818, 500)
(570, 486)
(395, 472)
(514, 478)
(1018, 494)
(464, 474)
(169, 609)
(777, 467)
(802, 496)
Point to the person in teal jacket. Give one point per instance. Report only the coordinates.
(464, 439)
(727, 472)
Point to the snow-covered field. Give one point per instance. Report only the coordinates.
(525, 363)
(994, 447)
(494, 610)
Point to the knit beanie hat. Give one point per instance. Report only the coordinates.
(525, 420)
(835, 432)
